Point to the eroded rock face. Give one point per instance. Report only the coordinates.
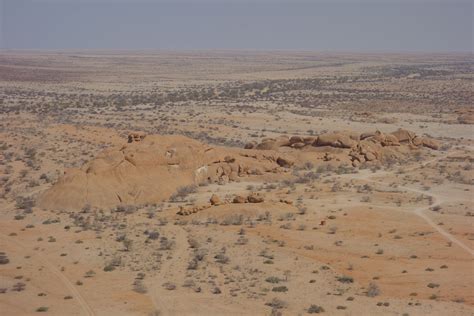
(150, 171)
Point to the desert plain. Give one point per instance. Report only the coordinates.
(236, 183)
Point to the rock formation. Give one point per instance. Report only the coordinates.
(345, 139)
(136, 136)
(150, 171)
(215, 200)
(150, 168)
(366, 147)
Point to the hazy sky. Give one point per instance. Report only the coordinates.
(350, 25)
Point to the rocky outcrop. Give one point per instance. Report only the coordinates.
(136, 136)
(255, 198)
(369, 144)
(215, 200)
(238, 199)
(371, 147)
(410, 138)
(430, 143)
(284, 162)
(251, 145)
(191, 210)
(151, 170)
(338, 140)
(273, 143)
(404, 136)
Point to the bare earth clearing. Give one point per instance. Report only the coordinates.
(237, 183)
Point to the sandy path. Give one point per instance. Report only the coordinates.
(165, 300)
(420, 210)
(70, 286)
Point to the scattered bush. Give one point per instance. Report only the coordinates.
(276, 303)
(280, 289)
(3, 258)
(315, 309)
(169, 286)
(432, 285)
(182, 193)
(373, 290)
(216, 290)
(273, 279)
(221, 258)
(345, 279)
(139, 287)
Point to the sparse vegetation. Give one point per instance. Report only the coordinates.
(318, 182)
(315, 309)
(373, 290)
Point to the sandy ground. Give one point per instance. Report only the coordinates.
(390, 239)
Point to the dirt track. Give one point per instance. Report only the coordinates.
(67, 283)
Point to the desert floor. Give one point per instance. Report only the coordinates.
(387, 239)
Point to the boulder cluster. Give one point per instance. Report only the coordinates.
(215, 200)
(373, 146)
(251, 198)
(229, 169)
(239, 199)
(192, 210)
(136, 136)
(376, 146)
(344, 139)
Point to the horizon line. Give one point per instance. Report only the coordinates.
(296, 50)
